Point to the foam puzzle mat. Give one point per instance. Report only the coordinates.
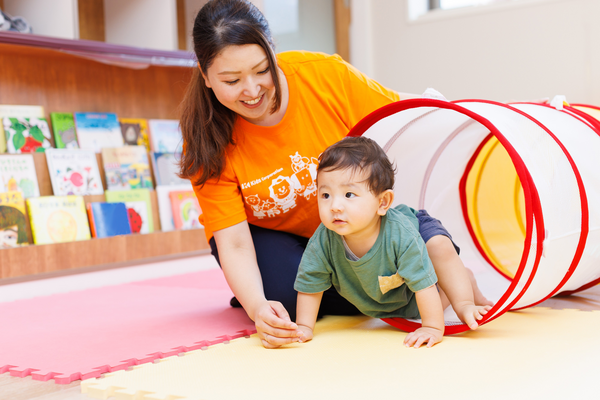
(83, 334)
(538, 353)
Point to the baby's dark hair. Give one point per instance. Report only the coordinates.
(363, 154)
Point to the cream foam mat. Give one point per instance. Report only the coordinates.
(538, 353)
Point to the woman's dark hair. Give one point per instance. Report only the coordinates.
(10, 216)
(206, 124)
(360, 154)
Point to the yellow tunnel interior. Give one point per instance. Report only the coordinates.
(496, 207)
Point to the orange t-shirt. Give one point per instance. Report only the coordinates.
(269, 175)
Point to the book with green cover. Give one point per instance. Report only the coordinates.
(139, 207)
(13, 224)
(63, 126)
(57, 219)
(26, 135)
(15, 110)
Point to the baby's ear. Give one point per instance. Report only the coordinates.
(385, 201)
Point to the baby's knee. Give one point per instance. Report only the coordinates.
(441, 246)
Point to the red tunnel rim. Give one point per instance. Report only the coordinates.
(596, 125)
(533, 205)
(464, 205)
(583, 200)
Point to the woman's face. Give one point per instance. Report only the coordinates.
(241, 80)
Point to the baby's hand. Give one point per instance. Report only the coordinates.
(307, 333)
(422, 335)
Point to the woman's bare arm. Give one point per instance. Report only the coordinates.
(238, 261)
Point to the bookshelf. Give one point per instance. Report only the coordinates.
(65, 75)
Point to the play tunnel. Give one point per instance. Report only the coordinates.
(517, 186)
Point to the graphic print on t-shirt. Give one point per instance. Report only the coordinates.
(284, 190)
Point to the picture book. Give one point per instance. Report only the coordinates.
(165, 136)
(165, 211)
(98, 130)
(63, 126)
(165, 168)
(139, 208)
(186, 209)
(26, 135)
(74, 172)
(16, 111)
(57, 219)
(126, 168)
(108, 219)
(17, 173)
(13, 224)
(135, 132)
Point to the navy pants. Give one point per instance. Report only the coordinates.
(278, 255)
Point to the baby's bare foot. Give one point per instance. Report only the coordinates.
(469, 314)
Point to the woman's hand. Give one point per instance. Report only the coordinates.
(274, 326)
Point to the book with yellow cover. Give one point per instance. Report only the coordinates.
(135, 132)
(13, 224)
(56, 219)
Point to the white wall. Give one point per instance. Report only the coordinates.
(522, 49)
(57, 18)
(142, 23)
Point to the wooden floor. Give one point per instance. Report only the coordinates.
(12, 388)
(27, 389)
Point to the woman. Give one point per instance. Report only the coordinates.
(253, 125)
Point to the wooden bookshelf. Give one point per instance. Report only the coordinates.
(75, 75)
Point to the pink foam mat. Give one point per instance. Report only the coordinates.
(83, 334)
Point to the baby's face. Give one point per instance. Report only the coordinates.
(346, 205)
(9, 237)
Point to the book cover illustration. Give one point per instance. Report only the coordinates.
(165, 136)
(57, 219)
(139, 208)
(165, 210)
(98, 130)
(165, 168)
(17, 111)
(74, 172)
(135, 132)
(108, 219)
(26, 135)
(63, 126)
(13, 224)
(17, 173)
(186, 209)
(126, 168)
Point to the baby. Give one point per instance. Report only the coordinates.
(376, 256)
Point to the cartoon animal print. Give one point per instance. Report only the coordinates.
(255, 204)
(282, 192)
(270, 208)
(305, 173)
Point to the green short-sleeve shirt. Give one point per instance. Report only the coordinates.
(382, 283)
